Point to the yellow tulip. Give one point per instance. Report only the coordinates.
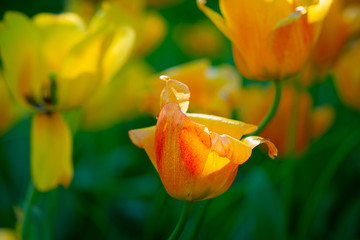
(347, 76)
(295, 111)
(212, 87)
(150, 27)
(163, 3)
(271, 39)
(52, 63)
(196, 155)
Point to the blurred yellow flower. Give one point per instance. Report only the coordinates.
(8, 234)
(212, 87)
(347, 76)
(200, 39)
(10, 112)
(52, 63)
(295, 108)
(196, 155)
(271, 39)
(119, 100)
(150, 27)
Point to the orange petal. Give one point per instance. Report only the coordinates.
(322, 118)
(220, 125)
(51, 151)
(145, 138)
(317, 12)
(175, 92)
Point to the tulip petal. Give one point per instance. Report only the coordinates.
(145, 138)
(80, 74)
(175, 92)
(51, 152)
(20, 56)
(220, 125)
(317, 12)
(118, 52)
(53, 28)
(239, 151)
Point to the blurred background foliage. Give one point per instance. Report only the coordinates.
(117, 194)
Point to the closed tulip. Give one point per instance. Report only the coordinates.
(196, 155)
(270, 39)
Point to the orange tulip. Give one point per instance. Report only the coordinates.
(196, 155)
(294, 117)
(347, 77)
(271, 39)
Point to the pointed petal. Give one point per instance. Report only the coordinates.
(118, 52)
(19, 48)
(51, 152)
(145, 138)
(175, 92)
(254, 141)
(220, 125)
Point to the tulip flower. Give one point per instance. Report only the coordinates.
(295, 115)
(150, 27)
(8, 234)
(270, 39)
(347, 76)
(196, 155)
(212, 87)
(52, 63)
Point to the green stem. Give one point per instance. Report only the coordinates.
(342, 151)
(29, 201)
(182, 221)
(199, 220)
(274, 107)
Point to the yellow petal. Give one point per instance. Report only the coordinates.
(175, 92)
(19, 43)
(317, 12)
(145, 138)
(9, 111)
(80, 74)
(59, 33)
(220, 125)
(51, 152)
(118, 52)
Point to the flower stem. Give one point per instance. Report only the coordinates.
(29, 200)
(182, 221)
(333, 164)
(274, 107)
(199, 220)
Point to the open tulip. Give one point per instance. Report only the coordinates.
(196, 155)
(53, 64)
(271, 39)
